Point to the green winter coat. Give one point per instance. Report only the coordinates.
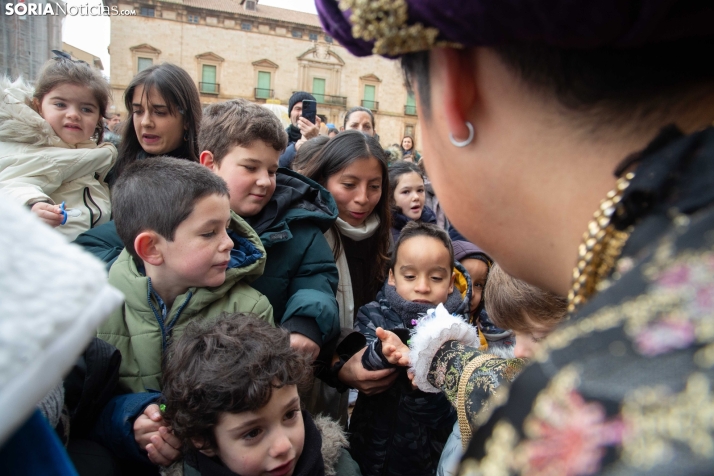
(300, 277)
(136, 329)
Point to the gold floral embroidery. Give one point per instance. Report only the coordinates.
(385, 23)
(665, 298)
(655, 419)
(565, 434)
(499, 396)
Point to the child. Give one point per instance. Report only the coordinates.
(529, 312)
(448, 343)
(241, 142)
(179, 265)
(432, 201)
(406, 195)
(231, 391)
(478, 264)
(402, 431)
(49, 155)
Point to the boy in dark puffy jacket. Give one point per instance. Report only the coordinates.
(241, 142)
(402, 431)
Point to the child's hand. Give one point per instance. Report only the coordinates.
(394, 350)
(164, 448)
(152, 434)
(49, 214)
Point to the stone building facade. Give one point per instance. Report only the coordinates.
(241, 49)
(80, 54)
(26, 41)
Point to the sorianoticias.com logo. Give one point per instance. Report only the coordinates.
(22, 8)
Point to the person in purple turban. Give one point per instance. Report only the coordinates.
(587, 126)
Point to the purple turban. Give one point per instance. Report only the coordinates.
(395, 27)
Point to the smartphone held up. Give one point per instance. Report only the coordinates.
(309, 110)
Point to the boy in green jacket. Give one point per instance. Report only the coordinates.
(186, 257)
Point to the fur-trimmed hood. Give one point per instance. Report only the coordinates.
(19, 122)
(333, 441)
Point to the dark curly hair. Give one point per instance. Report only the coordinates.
(230, 364)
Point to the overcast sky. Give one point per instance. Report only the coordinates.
(91, 34)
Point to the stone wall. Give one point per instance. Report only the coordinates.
(218, 39)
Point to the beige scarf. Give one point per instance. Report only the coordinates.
(345, 297)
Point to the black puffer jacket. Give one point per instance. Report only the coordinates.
(401, 431)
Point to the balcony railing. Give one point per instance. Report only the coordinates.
(261, 93)
(410, 111)
(209, 88)
(329, 99)
(372, 105)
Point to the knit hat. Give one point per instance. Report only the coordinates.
(297, 97)
(466, 249)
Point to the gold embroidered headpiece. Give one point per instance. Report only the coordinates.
(395, 27)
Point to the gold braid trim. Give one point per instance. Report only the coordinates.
(464, 425)
(600, 249)
(385, 23)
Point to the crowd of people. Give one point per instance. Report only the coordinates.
(299, 302)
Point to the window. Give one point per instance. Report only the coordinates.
(297, 34)
(144, 56)
(147, 12)
(313, 36)
(144, 63)
(264, 71)
(369, 96)
(208, 79)
(410, 107)
(263, 90)
(409, 130)
(318, 89)
(246, 26)
(193, 18)
(250, 5)
(328, 38)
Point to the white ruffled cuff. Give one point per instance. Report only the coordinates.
(431, 332)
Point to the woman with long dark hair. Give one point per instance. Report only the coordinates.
(164, 117)
(353, 167)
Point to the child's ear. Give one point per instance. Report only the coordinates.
(206, 159)
(147, 245)
(391, 280)
(451, 284)
(198, 444)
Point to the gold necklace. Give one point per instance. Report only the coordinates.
(600, 248)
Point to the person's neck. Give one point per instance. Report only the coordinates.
(163, 285)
